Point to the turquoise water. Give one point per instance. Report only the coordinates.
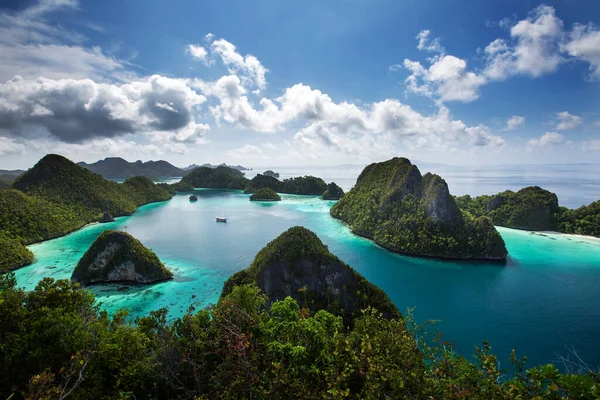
(545, 298)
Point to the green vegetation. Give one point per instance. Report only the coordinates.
(263, 181)
(216, 178)
(118, 168)
(12, 253)
(118, 256)
(5, 183)
(56, 342)
(265, 194)
(297, 264)
(57, 196)
(333, 192)
(178, 187)
(309, 185)
(584, 220)
(405, 212)
(530, 208)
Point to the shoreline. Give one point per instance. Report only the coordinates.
(573, 235)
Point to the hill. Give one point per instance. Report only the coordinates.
(119, 257)
(217, 178)
(297, 264)
(265, 194)
(57, 196)
(333, 192)
(403, 211)
(263, 181)
(118, 168)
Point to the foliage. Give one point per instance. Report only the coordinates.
(220, 177)
(299, 265)
(55, 343)
(530, 208)
(309, 185)
(403, 211)
(116, 249)
(265, 194)
(584, 220)
(333, 192)
(12, 253)
(271, 173)
(57, 196)
(263, 181)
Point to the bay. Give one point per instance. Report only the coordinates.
(545, 300)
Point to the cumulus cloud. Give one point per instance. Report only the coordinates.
(567, 121)
(9, 146)
(536, 46)
(547, 139)
(196, 51)
(76, 110)
(514, 122)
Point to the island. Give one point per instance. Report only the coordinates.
(178, 187)
(264, 181)
(271, 173)
(403, 211)
(119, 257)
(297, 264)
(221, 177)
(333, 192)
(307, 185)
(265, 194)
(56, 197)
(118, 168)
(533, 208)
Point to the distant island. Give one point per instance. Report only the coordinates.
(208, 165)
(406, 212)
(56, 197)
(271, 173)
(119, 257)
(118, 168)
(533, 208)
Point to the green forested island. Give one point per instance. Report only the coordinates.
(265, 194)
(533, 208)
(333, 192)
(263, 181)
(401, 210)
(57, 196)
(220, 177)
(323, 333)
(118, 168)
(119, 257)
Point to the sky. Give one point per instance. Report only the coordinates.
(297, 83)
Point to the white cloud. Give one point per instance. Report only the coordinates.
(567, 121)
(481, 136)
(196, 51)
(9, 146)
(429, 45)
(514, 122)
(584, 43)
(547, 139)
(247, 152)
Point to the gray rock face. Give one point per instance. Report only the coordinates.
(107, 218)
(495, 202)
(438, 202)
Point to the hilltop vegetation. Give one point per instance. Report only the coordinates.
(584, 220)
(57, 196)
(265, 194)
(117, 257)
(403, 211)
(263, 181)
(308, 185)
(12, 253)
(217, 178)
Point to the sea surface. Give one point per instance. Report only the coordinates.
(544, 301)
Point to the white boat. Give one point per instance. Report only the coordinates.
(221, 219)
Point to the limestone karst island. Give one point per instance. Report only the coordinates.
(261, 200)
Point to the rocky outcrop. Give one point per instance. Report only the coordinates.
(271, 174)
(119, 257)
(333, 192)
(107, 218)
(406, 212)
(297, 264)
(496, 202)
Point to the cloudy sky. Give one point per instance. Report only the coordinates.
(277, 83)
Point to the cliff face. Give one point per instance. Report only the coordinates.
(118, 257)
(404, 211)
(298, 265)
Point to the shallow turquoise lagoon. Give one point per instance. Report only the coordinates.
(546, 298)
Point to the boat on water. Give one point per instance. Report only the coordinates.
(221, 219)
(193, 198)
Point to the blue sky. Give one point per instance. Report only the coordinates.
(274, 83)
